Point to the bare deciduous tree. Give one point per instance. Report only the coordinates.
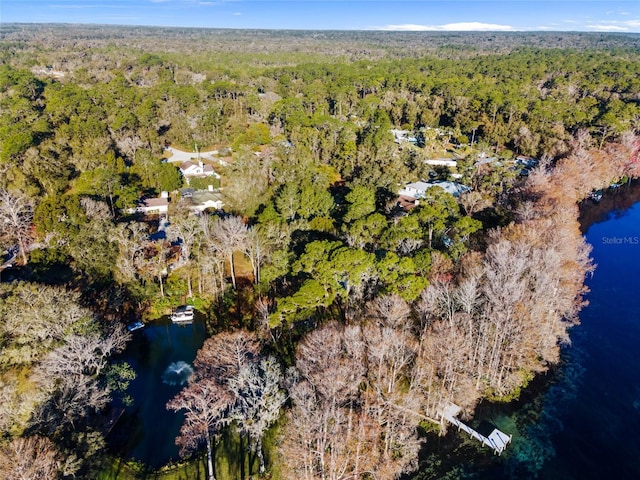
(205, 403)
(354, 403)
(71, 377)
(224, 355)
(34, 319)
(231, 382)
(16, 215)
(131, 239)
(188, 228)
(229, 234)
(153, 263)
(255, 247)
(29, 458)
(259, 398)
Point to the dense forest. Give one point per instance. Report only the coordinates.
(342, 317)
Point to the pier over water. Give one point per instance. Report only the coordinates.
(496, 440)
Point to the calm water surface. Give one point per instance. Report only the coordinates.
(584, 423)
(161, 354)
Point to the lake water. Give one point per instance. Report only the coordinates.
(161, 354)
(582, 421)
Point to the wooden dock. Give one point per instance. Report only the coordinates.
(496, 440)
(111, 420)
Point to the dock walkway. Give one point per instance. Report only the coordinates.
(496, 440)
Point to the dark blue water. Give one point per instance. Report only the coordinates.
(594, 426)
(581, 421)
(161, 354)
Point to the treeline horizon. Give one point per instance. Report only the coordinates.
(339, 315)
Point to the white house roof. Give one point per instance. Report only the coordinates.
(418, 189)
(443, 162)
(403, 136)
(188, 165)
(190, 169)
(151, 205)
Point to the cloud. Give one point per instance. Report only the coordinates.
(615, 26)
(631, 23)
(236, 14)
(457, 27)
(607, 28)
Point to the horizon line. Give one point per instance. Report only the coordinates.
(371, 29)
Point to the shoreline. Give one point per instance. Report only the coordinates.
(453, 450)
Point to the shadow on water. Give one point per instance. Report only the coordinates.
(613, 204)
(162, 354)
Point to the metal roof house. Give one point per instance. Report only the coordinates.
(417, 190)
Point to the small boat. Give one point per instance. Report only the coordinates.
(182, 314)
(596, 196)
(133, 326)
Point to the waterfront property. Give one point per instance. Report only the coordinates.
(183, 314)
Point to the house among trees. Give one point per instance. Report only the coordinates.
(417, 190)
(200, 200)
(152, 206)
(400, 136)
(190, 169)
(442, 162)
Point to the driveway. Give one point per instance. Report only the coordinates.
(180, 156)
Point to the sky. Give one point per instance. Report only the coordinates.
(401, 15)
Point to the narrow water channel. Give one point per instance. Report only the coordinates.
(161, 355)
(581, 421)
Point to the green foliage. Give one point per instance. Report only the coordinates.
(437, 211)
(99, 134)
(14, 139)
(362, 202)
(204, 183)
(154, 174)
(365, 232)
(118, 376)
(315, 201)
(61, 214)
(50, 265)
(399, 275)
(149, 60)
(256, 134)
(332, 271)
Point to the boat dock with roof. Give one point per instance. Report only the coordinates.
(183, 314)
